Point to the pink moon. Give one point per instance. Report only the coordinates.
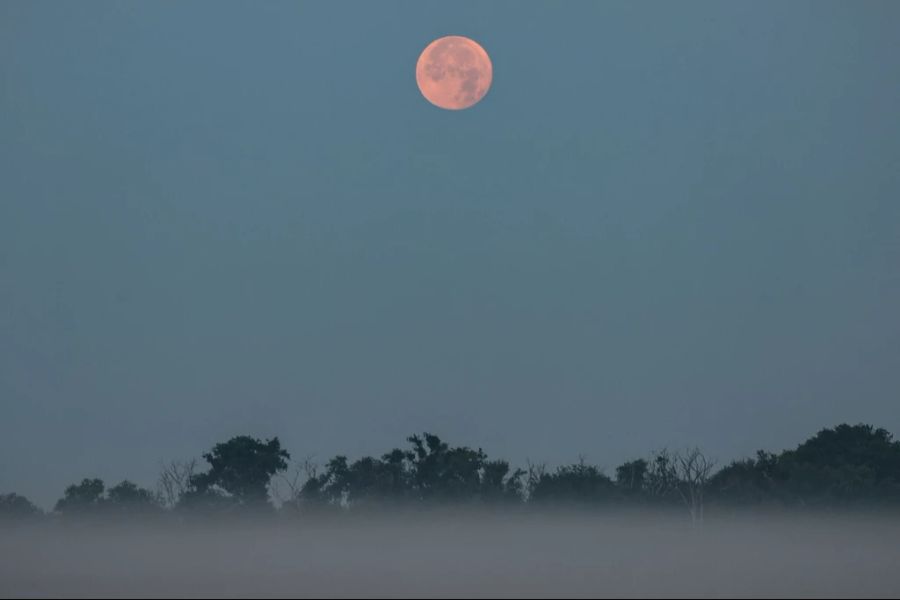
(454, 72)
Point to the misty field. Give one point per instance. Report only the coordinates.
(442, 554)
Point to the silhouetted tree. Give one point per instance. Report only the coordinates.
(693, 470)
(748, 482)
(128, 498)
(82, 498)
(661, 480)
(444, 474)
(844, 465)
(500, 484)
(241, 467)
(431, 472)
(366, 482)
(631, 477)
(14, 506)
(90, 497)
(578, 484)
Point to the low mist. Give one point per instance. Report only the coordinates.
(434, 553)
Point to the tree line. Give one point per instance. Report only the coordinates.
(844, 466)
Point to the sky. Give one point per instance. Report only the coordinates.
(666, 224)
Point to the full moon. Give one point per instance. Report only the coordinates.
(454, 72)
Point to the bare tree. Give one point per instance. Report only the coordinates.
(693, 469)
(175, 481)
(287, 489)
(535, 472)
(683, 475)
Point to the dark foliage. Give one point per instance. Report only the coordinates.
(578, 484)
(631, 477)
(90, 497)
(82, 498)
(14, 506)
(845, 466)
(849, 465)
(242, 469)
(431, 472)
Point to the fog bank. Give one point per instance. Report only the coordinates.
(439, 554)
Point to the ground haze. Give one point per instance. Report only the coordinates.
(440, 554)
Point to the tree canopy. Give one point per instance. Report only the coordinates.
(430, 472)
(843, 466)
(90, 497)
(14, 506)
(242, 468)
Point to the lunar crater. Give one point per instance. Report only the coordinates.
(454, 72)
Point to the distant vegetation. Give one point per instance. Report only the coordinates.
(847, 466)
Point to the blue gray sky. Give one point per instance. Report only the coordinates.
(666, 224)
